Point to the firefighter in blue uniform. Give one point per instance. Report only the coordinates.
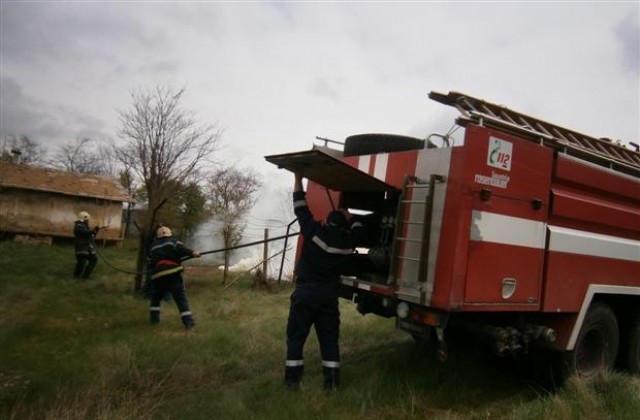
(85, 250)
(165, 258)
(325, 250)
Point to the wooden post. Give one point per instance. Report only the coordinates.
(265, 253)
(226, 239)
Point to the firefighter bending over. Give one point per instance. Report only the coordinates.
(325, 249)
(165, 258)
(85, 250)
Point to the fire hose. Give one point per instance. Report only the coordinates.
(231, 248)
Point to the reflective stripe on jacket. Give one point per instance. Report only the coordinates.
(165, 256)
(325, 248)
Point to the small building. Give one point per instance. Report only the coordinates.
(43, 202)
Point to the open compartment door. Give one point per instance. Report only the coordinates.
(333, 183)
(331, 173)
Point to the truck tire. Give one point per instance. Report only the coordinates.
(368, 144)
(633, 356)
(597, 344)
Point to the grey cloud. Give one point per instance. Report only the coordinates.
(236, 58)
(628, 34)
(42, 121)
(69, 31)
(160, 66)
(85, 120)
(324, 88)
(20, 114)
(286, 10)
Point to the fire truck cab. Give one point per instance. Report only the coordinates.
(527, 233)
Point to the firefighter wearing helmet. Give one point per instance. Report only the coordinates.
(326, 250)
(165, 263)
(85, 251)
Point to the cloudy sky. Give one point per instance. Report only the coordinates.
(276, 74)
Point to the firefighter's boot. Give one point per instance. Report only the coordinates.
(187, 320)
(293, 376)
(154, 315)
(331, 378)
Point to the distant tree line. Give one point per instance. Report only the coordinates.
(165, 160)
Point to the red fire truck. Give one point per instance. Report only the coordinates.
(526, 232)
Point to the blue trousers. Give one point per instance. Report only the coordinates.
(174, 284)
(317, 307)
(85, 263)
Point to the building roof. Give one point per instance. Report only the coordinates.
(36, 178)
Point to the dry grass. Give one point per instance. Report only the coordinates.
(78, 350)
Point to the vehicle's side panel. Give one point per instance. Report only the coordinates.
(496, 214)
(594, 233)
(451, 268)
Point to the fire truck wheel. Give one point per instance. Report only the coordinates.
(633, 358)
(367, 144)
(597, 344)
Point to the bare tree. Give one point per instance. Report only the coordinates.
(26, 150)
(108, 164)
(231, 195)
(192, 209)
(125, 177)
(164, 147)
(81, 155)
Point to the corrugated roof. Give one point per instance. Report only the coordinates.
(36, 178)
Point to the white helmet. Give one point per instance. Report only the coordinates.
(163, 232)
(84, 216)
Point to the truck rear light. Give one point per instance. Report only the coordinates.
(427, 318)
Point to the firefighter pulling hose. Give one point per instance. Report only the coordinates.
(85, 249)
(166, 255)
(165, 259)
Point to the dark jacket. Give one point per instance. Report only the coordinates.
(84, 237)
(325, 249)
(165, 256)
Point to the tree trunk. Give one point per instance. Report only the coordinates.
(140, 265)
(265, 254)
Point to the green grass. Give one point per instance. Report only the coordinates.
(84, 349)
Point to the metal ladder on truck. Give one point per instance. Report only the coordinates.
(603, 152)
(412, 239)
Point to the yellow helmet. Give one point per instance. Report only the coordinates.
(84, 216)
(163, 232)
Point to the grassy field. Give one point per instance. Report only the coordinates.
(84, 349)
